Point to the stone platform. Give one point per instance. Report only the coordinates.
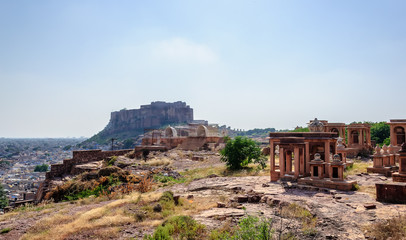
(391, 192)
(397, 177)
(327, 183)
(387, 171)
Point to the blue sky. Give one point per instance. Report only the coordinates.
(65, 65)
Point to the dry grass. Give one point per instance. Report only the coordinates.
(371, 190)
(297, 212)
(388, 229)
(161, 161)
(94, 221)
(32, 210)
(357, 168)
(105, 222)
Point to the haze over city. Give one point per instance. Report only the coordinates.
(64, 66)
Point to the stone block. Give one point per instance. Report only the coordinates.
(242, 199)
(391, 192)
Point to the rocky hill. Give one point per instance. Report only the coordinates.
(131, 123)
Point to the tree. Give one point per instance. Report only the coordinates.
(41, 168)
(3, 197)
(301, 129)
(379, 132)
(240, 152)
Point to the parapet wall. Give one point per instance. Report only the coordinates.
(81, 157)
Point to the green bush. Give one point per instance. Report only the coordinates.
(178, 227)
(249, 228)
(41, 168)
(167, 179)
(5, 230)
(3, 197)
(240, 152)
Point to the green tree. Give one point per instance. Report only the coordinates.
(41, 168)
(379, 132)
(3, 197)
(240, 152)
(301, 129)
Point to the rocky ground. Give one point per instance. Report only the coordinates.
(338, 215)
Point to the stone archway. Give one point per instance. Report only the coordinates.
(400, 135)
(170, 132)
(202, 131)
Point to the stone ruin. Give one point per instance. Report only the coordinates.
(85, 161)
(394, 192)
(189, 137)
(359, 136)
(385, 158)
(309, 157)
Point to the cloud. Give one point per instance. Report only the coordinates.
(180, 50)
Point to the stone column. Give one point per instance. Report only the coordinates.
(307, 158)
(327, 156)
(369, 137)
(281, 161)
(272, 155)
(288, 158)
(392, 136)
(360, 140)
(297, 162)
(343, 133)
(349, 137)
(302, 162)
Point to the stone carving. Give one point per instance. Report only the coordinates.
(316, 126)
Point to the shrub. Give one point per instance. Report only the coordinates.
(393, 228)
(41, 168)
(3, 198)
(5, 230)
(249, 228)
(107, 171)
(179, 227)
(241, 151)
(145, 184)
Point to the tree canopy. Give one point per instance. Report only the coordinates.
(380, 132)
(240, 152)
(41, 168)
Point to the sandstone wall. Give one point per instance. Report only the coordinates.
(391, 192)
(81, 157)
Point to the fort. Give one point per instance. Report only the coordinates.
(133, 122)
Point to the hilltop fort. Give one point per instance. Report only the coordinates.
(130, 123)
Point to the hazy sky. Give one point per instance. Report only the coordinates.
(65, 65)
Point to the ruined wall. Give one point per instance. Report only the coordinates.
(81, 157)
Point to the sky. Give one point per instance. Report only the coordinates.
(65, 65)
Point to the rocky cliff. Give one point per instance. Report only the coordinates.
(131, 123)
